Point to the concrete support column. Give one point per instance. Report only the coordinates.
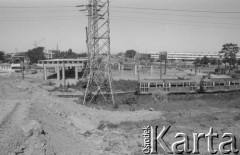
(119, 67)
(122, 68)
(58, 73)
(55, 69)
(76, 72)
(135, 69)
(151, 69)
(63, 75)
(45, 72)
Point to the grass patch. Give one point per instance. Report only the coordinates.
(112, 126)
(125, 85)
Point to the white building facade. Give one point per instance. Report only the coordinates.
(187, 56)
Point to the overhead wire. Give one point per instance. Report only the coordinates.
(140, 19)
(131, 20)
(178, 10)
(122, 17)
(178, 15)
(172, 23)
(124, 7)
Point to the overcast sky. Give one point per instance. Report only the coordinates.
(163, 25)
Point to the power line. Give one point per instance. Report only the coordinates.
(154, 19)
(171, 23)
(138, 12)
(132, 12)
(178, 10)
(33, 7)
(123, 7)
(187, 21)
(129, 20)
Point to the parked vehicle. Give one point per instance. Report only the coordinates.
(168, 85)
(220, 84)
(206, 85)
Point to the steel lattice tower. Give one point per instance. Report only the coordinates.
(98, 70)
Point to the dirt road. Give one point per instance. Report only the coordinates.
(33, 121)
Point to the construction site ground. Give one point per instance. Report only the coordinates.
(34, 121)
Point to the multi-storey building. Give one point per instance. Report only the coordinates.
(187, 56)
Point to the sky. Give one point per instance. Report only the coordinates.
(200, 26)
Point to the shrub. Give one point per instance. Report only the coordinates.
(160, 96)
(125, 85)
(130, 100)
(116, 106)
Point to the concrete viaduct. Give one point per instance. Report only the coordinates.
(62, 64)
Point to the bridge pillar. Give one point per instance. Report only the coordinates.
(76, 72)
(119, 67)
(45, 72)
(63, 75)
(55, 69)
(151, 69)
(135, 69)
(58, 73)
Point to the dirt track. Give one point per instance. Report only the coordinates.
(32, 121)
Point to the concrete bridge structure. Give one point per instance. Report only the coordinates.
(62, 64)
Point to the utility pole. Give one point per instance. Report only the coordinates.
(160, 66)
(165, 69)
(98, 70)
(138, 66)
(195, 68)
(23, 67)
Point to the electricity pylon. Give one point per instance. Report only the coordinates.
(97, 73)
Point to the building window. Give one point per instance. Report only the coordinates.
(180, 85)
(186, 84)
(152, 84)
(159, 84)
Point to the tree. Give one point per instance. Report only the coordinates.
(130, 53)
(213, 61)
(229, 51)
(205, 60)
(67, 54)
(70, 54)
(2, 54)
(36, 54)
(197, 61)
(7, 57)
(83, 55)
(238, 61)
